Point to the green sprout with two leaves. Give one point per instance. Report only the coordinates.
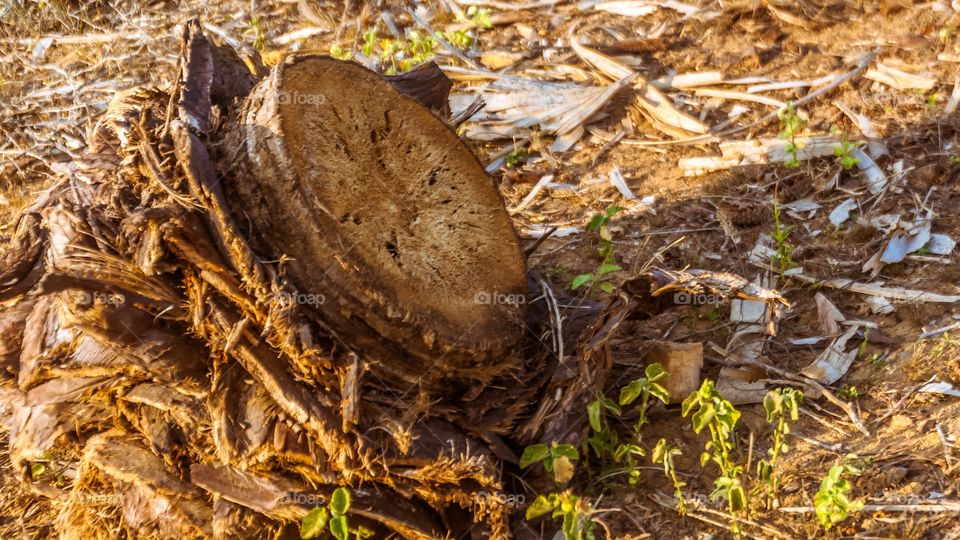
(334, 517)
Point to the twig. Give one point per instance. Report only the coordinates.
(942, 506)
(862, 63)
(896, 406)
(533, 247)
(945, 444)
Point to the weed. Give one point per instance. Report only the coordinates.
(556, 458)
(369, 41)
(573, 510)
(932, 100)
(790, 125)
(780, 234)
(460, 39)
(664, 453)
(842, 151)
(603, 440)
(601, 225)
(832, 501)
(513, 158)
(720, 417)
(340, 53)
(779, 405)
(334, 517)
(256, 30)
(479, 16)
(644, 388)
(848, 393)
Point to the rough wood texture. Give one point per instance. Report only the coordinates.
(385, 217)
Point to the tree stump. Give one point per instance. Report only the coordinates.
(382, 215)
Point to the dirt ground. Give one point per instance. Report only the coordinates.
(52, 92)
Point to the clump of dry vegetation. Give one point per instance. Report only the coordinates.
(273, 293)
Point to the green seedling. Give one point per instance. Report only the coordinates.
(334, 518)
(256, 30)
(779, 404)
(573, 510)
(720, 417)
(645, 388)
(556, 458)
(513, 158)
(848, 393)
(479, 16)
(603, 439)
(600, 224)
(790, 125)
(369, 41)
(832, 501)
(781, 234)
(664, 453)
(842, 151)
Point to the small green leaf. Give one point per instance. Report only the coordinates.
(37, 470)
(737, 497)
(610, 405)
(659, 392)
(534, 454)
(340, 502)
(314, 522)
(580, 280)
(540, 506)
(703, 417)
(608, 268)
(630, 392)
(655, 372)
(596, 222)
(339, 529)
(613, 210)
(606, 287)
(689, 403)
(659, 451)
(567, 450)
(594, 414)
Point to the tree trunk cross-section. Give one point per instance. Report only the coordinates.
(384, 215)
